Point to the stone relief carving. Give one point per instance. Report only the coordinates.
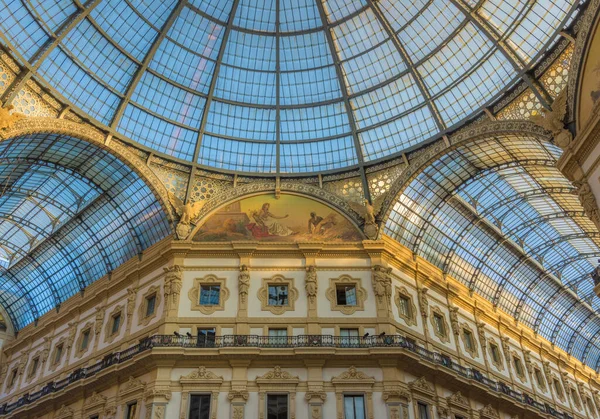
(552, 121)
(243, 283)
(99, 320)
(368, 211)
(588, 200)
(382, 282)
(311, 282)
(423, 302)
(173, 283)
(8, 119)
(131, 294)
(187, 212)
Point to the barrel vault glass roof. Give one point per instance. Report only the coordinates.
(281, 86)
(499, 217)
(70, 213)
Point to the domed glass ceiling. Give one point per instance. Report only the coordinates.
(281, 86)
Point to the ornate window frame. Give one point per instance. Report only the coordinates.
(422, 391)
(474, 351)
(353, 382)
(331, 294)
(108, 336)
(263, 294)
(144, 320)
(523, 374)
(560, 395)
(132, 391)
(436, 311)
(194, 294)
(53, 364)
(79, 352)
(543, 385)
(575, 397)
(11, 372)
(403, 292)
(200, 381)
(94, 405)
(500, 363)
(30, 375)
(276, 381)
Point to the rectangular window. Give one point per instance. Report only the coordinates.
(278, 295)
(34, 366)
(58, 353)
(558, 388)
(85, 339)
(349, 337)
(469, 344)
(277, 406)
(518, 365)
(423, 410)
(132, 411)
(199, 406)
(116, 323)
(346, 295)
(206, 337)
(440, 327)
(150, 305)
(278, 336)
(13, 378)
(354, 407)
(539, 377)
(210, 295)
(404, 306)
(495, 353)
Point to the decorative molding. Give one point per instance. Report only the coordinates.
(172, 287)
(131, 297)
(353, 376)
(200, 375)
(109, 337)
(423, 301)
(99, 320)
(421, 385)
(65, 412)
(436, 311)
(243, 283)
(195, 291)
(474, 351)
(144, 320)
(382, 282)
(133, 385)
(96, 401)
(457, 399)
(311, 286)
(238, 395)
(499, 363)
(54, 364)
(488, 412)
(277, 375)
(157, 393)
(410, 320)
(311, 396)
(277, 280)
(396, 395)
(79, 351)
(331, 294)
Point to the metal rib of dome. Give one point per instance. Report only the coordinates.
(281, 86)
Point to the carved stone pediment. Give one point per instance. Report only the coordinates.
(95, 401)
(458, 400)
(353, 376)
(131, 386)
(199, 376)
(65, 412)
(277, 375)
(396, 394)
(422, 386)
(158, 393)
(488, 412)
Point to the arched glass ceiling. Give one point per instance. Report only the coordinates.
(283, 86)
(498, 216)
(70, 213)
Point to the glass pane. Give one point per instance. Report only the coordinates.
(210, 294)
(206, 337)
(116, 323)
(277, 406)
(150, 303)
(278, 295)
(351, 296)
(200, 406)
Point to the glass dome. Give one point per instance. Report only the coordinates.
(281, 86)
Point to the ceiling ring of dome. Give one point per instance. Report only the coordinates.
(107, 214)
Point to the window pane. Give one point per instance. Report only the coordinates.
(277, 406)
(351, 296)
(200, 406)
(278, 295)
(423, 411)
(132, 411)
(150, 303)
(210, 294)
(116, 323)
(206, 337)
(85, 339)
(354, 407)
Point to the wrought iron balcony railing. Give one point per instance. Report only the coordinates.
(301, 341)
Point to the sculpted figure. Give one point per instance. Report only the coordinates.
(7, 119)
(243, 282)
(311, 282)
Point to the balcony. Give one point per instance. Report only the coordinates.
(301, 341)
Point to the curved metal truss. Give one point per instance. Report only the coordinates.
(497, 215)
(280, 86)
(70, 213)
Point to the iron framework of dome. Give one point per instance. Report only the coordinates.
(282, 86)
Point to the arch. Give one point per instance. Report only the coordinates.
(94, 213)
(480, 211)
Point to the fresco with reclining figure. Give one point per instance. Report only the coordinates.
(291, 218)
